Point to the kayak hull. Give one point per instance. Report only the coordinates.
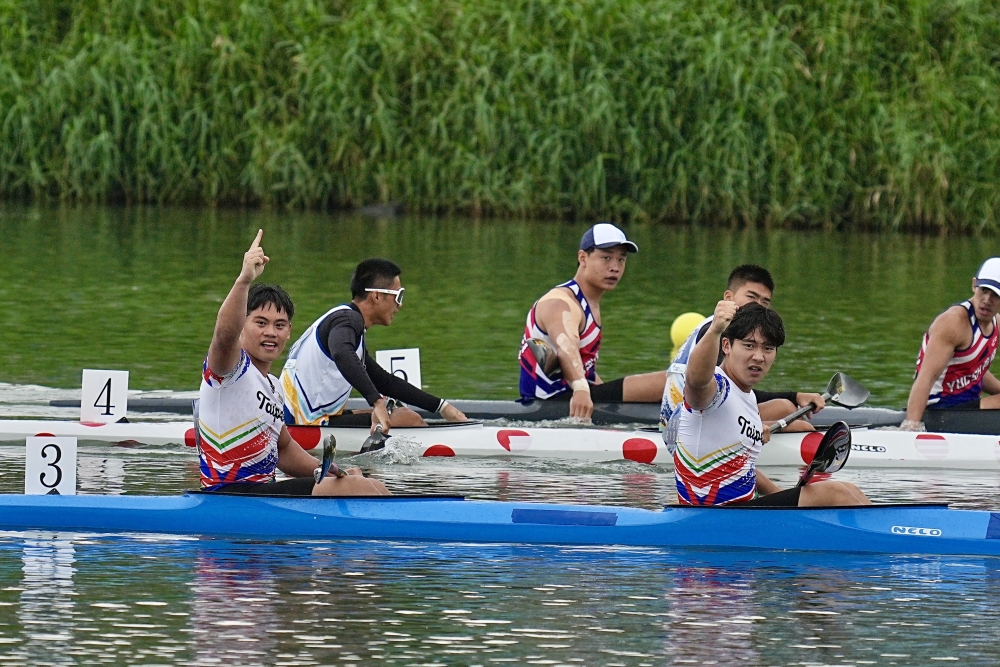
(871, 448)
(920, 529)
(605, 414)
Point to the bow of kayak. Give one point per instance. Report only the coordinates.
(917, 529)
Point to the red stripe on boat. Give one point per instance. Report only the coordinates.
(307, 436)
(639, 450)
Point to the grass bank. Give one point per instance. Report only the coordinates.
(825, 112)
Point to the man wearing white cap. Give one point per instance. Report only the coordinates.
(568, 319)
(953, 366)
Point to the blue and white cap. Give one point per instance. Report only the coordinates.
(989, 275)
(605, 235)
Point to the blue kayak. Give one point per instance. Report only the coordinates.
(912, 529)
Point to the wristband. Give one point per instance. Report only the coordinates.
(442, 405)
(580, 385)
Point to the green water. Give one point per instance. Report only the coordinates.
(138, 289)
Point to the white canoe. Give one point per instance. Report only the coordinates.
(872, 448)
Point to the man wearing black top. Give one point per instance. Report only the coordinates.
(330, 359)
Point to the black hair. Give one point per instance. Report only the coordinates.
(749, 273)
(261, 294)
(372, 273)
(753, 317)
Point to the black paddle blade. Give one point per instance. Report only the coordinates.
(375, 441)
(329, 448)
(546, 357)
(832, 453)
(846, 391)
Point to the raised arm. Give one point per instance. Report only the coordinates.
(562, 322)
(224, 352)
(945, 335)
(699, 379)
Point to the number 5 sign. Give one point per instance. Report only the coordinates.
(50, 466)
(105, 396)
(404, 364)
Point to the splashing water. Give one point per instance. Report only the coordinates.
(399, 449)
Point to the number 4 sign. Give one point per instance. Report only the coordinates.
(50, 466)
(105, 396)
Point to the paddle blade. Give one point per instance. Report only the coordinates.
(375, 441)
(846, 391)
(832, 453)
(546, 357)
(329, 448)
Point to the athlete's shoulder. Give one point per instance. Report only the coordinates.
(214, 380)
(559, 299)
(344, 316)
(952, 326)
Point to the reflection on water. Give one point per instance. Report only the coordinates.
(46, 599)
(83, 599)
(139, 289)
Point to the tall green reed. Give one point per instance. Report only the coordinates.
(881, 115)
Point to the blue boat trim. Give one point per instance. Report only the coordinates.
(908, 529)
(397, 497)
(993, 529)
(564, 517)
(744, 506)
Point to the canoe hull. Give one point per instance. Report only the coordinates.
(871, 448)
(887, 529)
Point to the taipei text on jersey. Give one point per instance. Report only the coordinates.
(239, 420)
(716, 448)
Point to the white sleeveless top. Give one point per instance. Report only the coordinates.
(314, 387)
(673, 389)
(716, 451)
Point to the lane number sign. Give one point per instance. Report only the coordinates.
(104, 398)
(50, 466)
(403, 363)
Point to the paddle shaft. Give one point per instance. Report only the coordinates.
(782, 423)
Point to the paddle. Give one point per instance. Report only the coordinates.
(375, 441)
(329, 451)
(842, 390)
(546, 358)
(832, 453)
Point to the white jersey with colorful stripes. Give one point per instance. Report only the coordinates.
(239, 420)
(716, 450)
(314, 387)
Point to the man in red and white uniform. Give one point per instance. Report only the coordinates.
(953, 366)
(241, 426)
(719, 430)
(568, 319)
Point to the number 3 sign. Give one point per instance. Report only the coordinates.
(105, 396)
(50, 466)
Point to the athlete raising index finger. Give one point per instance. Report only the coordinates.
(242, 437)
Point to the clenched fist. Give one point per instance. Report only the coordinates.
(725, 311)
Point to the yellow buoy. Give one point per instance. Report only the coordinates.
(682, 328)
